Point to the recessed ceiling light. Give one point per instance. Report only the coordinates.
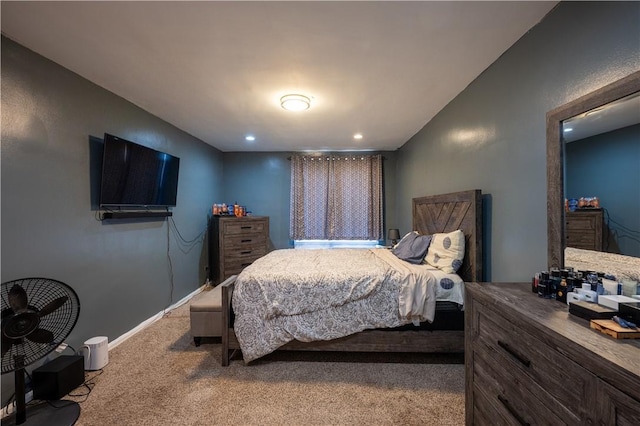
(595, 111)
(357, 136)
(295, 102)
(250, 138)
(568, 129)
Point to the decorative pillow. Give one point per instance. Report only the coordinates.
(412, 247)
(446, 251)
(405, 236)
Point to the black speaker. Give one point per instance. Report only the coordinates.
(57, 378)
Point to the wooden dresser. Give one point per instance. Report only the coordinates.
(528, 361)
(235, 243)
(583, 229)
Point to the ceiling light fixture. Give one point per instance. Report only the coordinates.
(357, 136)
(595, 111)
(250, 138)
(295, 102)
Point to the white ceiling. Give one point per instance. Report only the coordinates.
(615, 115)
(217, 69)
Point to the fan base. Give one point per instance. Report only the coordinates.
(45, 414)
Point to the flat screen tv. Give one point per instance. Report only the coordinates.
(137, 176)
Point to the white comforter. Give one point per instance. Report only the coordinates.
(312, 295)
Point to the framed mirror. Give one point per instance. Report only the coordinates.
(556, 232)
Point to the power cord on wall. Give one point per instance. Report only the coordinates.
(184, 245)
(188, 245)
(170, 265)
(620, 231)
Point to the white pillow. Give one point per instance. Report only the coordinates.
(446, 251)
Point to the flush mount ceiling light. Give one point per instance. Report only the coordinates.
(595, 111)
(295, 102)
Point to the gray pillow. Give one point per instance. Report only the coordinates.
(412, 248)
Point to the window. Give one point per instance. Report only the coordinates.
(336, 197)
(324, 244)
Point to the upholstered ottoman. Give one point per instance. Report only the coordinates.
(206, 314)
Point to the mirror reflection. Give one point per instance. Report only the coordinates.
(602, 178)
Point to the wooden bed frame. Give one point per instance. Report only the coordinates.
(431, 214)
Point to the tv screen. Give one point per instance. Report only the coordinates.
(136, 176)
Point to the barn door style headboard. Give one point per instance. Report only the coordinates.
(448, 212)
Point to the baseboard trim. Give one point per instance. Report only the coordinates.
(154, 318)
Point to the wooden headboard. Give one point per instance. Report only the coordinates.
(449, 212)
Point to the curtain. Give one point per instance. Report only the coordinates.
(336, 197)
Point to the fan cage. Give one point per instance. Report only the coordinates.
(40, 292)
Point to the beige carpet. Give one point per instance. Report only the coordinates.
(160, 377)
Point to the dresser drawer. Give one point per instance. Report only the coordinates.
(240, 226)
(236, 260)
(617, 408)
(245, 254)
(501, 397)
(536, 363)
(581, 223)
(581, 240)
(234, 267)
(242, 242)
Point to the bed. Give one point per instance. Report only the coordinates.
(437, 214)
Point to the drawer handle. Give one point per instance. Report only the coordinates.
(246, 252)
(512, 410)
(245, 227)
(245, 241)
(514, 354)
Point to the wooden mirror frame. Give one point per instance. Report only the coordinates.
(555, 157)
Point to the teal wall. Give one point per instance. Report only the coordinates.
(492, 135)
(53, 122)
(261, 182)
(607, 166)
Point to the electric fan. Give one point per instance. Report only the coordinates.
(37, 315)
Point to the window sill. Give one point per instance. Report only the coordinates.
(325, 244)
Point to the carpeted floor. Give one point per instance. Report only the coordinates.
(160, 377)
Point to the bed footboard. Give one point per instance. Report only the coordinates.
(227, 327)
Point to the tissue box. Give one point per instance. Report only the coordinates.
(613, 301)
